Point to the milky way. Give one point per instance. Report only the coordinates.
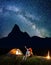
(31, 16)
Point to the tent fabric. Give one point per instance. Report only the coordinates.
(16, 52)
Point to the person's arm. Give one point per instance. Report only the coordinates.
(25, 47)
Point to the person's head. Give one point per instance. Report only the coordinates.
(30, 49)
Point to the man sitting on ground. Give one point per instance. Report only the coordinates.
(28, 53)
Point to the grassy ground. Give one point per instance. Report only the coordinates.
(14, 60)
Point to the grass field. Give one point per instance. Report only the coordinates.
(17, 60)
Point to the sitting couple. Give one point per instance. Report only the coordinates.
(29, 53)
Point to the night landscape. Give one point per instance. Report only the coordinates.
(25, 25)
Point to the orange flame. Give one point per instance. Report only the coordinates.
(48, 56)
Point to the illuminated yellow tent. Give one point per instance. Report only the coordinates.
(16, 52)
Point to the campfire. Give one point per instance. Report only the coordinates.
(48, 56)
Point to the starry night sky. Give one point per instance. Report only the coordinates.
(32, 16)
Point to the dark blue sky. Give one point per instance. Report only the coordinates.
(32, 16)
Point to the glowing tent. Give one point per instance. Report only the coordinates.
(16, 52)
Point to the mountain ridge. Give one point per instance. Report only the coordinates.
(17, 38)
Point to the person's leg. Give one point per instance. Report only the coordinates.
(23, 57)
(26, 55)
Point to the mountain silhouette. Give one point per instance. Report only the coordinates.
(17, 34)
(17, 38)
